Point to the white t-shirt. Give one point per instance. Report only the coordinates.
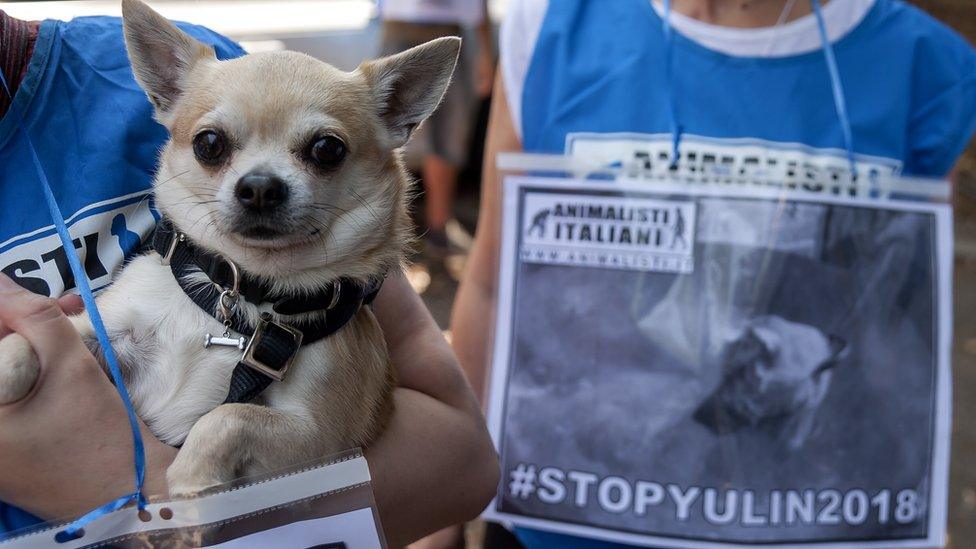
(462, 12)
(524, 18)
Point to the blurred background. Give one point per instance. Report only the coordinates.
(344, 32)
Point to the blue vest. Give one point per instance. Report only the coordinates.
(597, 74)
(910, 85)
(93, 129)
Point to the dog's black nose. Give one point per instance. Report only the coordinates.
(259, 192)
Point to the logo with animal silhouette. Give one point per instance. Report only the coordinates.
(616, 232)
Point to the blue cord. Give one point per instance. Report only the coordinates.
(81, 279)
(836, 86)
(669, 85)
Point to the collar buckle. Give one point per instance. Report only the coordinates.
(273, 348)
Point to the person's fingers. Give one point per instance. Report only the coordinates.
(39, 319)
(71, 304)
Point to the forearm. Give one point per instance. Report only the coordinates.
(471, 328)
(84, 463)
(474, 306)
(423, 359)
(434, 466)
(97, 477)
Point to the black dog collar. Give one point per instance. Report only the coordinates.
(271, 346)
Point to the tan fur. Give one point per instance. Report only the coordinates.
(349, 221)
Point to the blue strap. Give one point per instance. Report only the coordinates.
(669, 85)
(81, 279)
(836, 86)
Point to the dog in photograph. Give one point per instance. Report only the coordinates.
(245, 338)
(776, 375)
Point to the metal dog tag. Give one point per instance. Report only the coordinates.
(225, 341)
(227, 302)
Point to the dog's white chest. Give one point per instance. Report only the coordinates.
(183, 382)
(159, 336)
(173, 377)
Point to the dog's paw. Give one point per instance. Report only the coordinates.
(188, 477)
(181, 486)
(19, 368)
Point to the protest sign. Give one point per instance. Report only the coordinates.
(693, 366)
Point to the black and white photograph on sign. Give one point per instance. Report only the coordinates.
(685, 368)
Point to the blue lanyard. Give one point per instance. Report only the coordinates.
(74, 530)
(836, 85)
(676, 129)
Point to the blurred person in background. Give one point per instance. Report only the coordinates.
(443, 140)
(66, 448)
(750, 69)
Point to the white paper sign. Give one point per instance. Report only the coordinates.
(784, 381)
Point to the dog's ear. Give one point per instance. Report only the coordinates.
(161, 54)
(408, 86)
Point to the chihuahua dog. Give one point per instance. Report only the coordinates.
(283, 199)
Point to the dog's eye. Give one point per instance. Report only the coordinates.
(327, 152)
(209, 147)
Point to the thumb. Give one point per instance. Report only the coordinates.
(39, 319)
(71, 304)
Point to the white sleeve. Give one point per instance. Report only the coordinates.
(516, 43)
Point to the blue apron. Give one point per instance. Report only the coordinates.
(93, 129)
(910, 85)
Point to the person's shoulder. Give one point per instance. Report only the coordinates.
(941, 69)
(924, 32)
(516, 44)
(98, 33)
(522, 21)
(910, 17)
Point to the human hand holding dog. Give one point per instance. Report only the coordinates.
(66, 447)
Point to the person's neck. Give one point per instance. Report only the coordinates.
(746, 14)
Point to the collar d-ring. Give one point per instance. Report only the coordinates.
(235, 286)
(227, 301)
